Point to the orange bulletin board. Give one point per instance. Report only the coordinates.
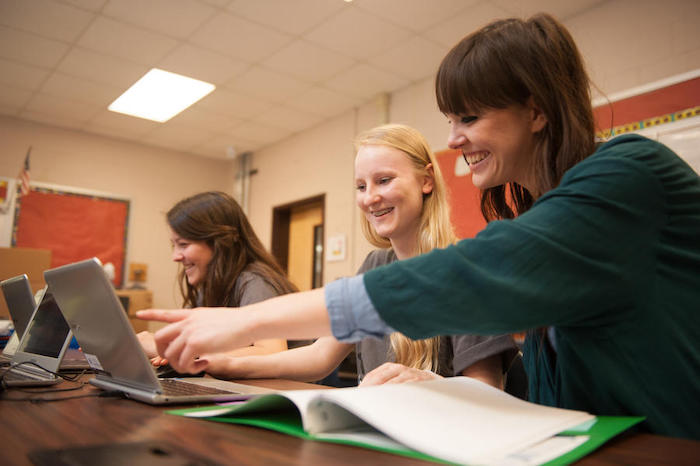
(73, 226)
(465, 210)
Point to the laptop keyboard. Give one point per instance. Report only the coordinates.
(174, 387)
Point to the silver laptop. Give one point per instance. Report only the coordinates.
(41, 348)
(93, 311)
(20, 302)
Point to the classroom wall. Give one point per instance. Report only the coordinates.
(154, 179)
(625, 43)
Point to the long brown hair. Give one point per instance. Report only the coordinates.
(436, 231)
(217, 219)
(506, 63)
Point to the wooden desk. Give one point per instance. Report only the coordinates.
(26, 426)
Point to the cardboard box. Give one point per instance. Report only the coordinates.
(16, 261)
(137, 299)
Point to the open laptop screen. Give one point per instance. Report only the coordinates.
(20, 302)
(48, 331)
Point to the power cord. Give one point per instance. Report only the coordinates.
(68, 377)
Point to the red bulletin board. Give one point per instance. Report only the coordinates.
(73, 226)
(465, 207)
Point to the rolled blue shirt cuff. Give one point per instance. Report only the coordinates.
(352, 315)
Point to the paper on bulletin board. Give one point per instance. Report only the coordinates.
(8, 186)
(336, 248)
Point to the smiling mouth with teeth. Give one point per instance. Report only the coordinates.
(379, 213)
(475, 157)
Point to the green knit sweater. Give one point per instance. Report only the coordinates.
(610, 259)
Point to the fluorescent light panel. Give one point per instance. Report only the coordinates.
(160, 95)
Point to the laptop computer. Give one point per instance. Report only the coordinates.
(20, 303)
(41, 348)
(93, 311)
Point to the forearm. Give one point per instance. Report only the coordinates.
(259, 348)
(306, 364)
(295, 316)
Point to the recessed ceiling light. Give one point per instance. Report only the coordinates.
(160, 95)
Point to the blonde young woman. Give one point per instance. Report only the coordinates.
(402, 197)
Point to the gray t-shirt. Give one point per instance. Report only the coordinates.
(251, 288)
(456, 352)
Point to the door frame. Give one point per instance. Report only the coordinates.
(281, 216)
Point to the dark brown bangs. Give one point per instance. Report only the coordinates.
(478, 73)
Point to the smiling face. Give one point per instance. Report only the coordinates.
(499, 144)
(194, 256)
(389, 191)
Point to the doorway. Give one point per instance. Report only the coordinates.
(297, 241)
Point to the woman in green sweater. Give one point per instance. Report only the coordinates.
(594, 250)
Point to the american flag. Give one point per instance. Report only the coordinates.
(24, 175)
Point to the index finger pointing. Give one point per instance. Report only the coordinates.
(163, 315)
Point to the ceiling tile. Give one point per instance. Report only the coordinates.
(91, 5)
(217, 3)
(258, 133)
(29, 48)
(21, 76)
(117, 122)
(233, 104)
(364, 81)
(200, 118)
(307, 61)
(45, 18)
(239, 38)
(413, 59)
(560, 10)
(82, 90)
(101, 68)
(217, 146)
(268, 84)
(202, 64)
(453, 30)
(416, 15)
(7, 110)
(284, 117)
(64, 121)
(61, 107)
(126, 41)
(322, 102)
(357, 34)
(177, 137)
(299, 15)
(13, 97)
(178, 18)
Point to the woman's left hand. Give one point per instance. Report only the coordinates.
(391, 372)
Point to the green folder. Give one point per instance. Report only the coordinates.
(287, 420)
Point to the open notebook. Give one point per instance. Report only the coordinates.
(94, 313)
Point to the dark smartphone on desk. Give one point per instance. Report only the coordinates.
(117, 454)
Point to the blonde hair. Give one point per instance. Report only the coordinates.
(435, 229)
